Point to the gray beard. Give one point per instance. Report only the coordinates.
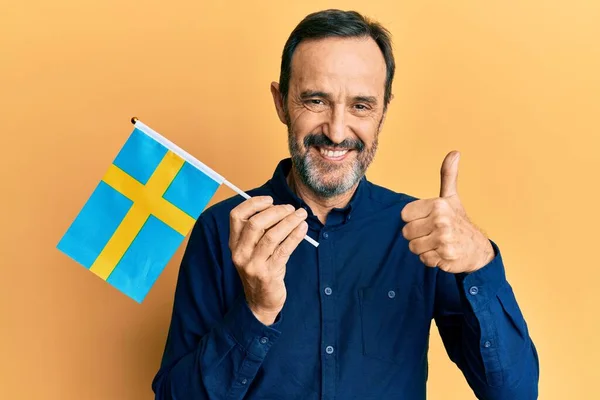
(310, 174)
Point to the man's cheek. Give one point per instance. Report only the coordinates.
(367, 130)
(307, 123)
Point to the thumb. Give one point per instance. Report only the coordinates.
(449, 174)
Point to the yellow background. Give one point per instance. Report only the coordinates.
(514, 85)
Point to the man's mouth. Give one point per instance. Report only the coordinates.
(333, 154)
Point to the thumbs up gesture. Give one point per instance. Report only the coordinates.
(439, 231)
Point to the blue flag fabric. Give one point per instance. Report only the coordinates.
(140, 212)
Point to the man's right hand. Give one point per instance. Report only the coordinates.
(262, 239)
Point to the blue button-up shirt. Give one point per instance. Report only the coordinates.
(356, 321)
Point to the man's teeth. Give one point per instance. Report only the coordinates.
(331, 153)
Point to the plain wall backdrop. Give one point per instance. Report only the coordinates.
(514, 85)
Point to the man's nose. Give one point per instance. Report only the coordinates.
(335, 128)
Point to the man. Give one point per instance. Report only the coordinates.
(260, 313)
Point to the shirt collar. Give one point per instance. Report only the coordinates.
(285, 195)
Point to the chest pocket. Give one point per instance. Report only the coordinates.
(395, 323)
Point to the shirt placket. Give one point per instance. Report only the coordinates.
(327, 296)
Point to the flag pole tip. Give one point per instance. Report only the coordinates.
(134, 120)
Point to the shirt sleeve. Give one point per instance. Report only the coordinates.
(210, 352)
(485, 333)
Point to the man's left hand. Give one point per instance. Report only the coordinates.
(439, 230)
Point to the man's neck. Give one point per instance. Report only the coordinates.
(319, 206)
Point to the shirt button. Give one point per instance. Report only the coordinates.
(325, 235)
(264, 340)
(391, 294)
(474, 290)
(328, 291)
(244, 381)
(329, 349)
(487, 344)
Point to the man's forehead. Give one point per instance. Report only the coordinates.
(330, 61)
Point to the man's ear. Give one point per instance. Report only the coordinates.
(382, 121)
(384, 114)
(278, 100)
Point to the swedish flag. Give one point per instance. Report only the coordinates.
(140, 212)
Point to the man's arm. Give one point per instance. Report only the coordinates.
(485, 333)
(210, 352)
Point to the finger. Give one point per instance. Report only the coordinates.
(256, 226)
(278, 233)
(449, 174)
(417, 209)
(418, 228)
(422, 244)
(282, 253)
(430, 258)
(436, 223)
(240, 214)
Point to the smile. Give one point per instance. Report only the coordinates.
(333, 155)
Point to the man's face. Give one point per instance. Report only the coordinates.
(334, 111)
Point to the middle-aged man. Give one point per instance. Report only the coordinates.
(260, 313)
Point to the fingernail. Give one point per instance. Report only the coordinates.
(289, 207)
(301, 212)
(268, 199)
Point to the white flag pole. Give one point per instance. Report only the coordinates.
(197, 163)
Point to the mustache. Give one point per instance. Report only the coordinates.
(320, 140)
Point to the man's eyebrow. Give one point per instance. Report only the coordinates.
(314, 93)
(366, 99)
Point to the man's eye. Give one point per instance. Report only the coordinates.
(316, 101)
(360, 107)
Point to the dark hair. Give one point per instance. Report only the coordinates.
(338, 23)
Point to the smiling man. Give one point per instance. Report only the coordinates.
(260, 313)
